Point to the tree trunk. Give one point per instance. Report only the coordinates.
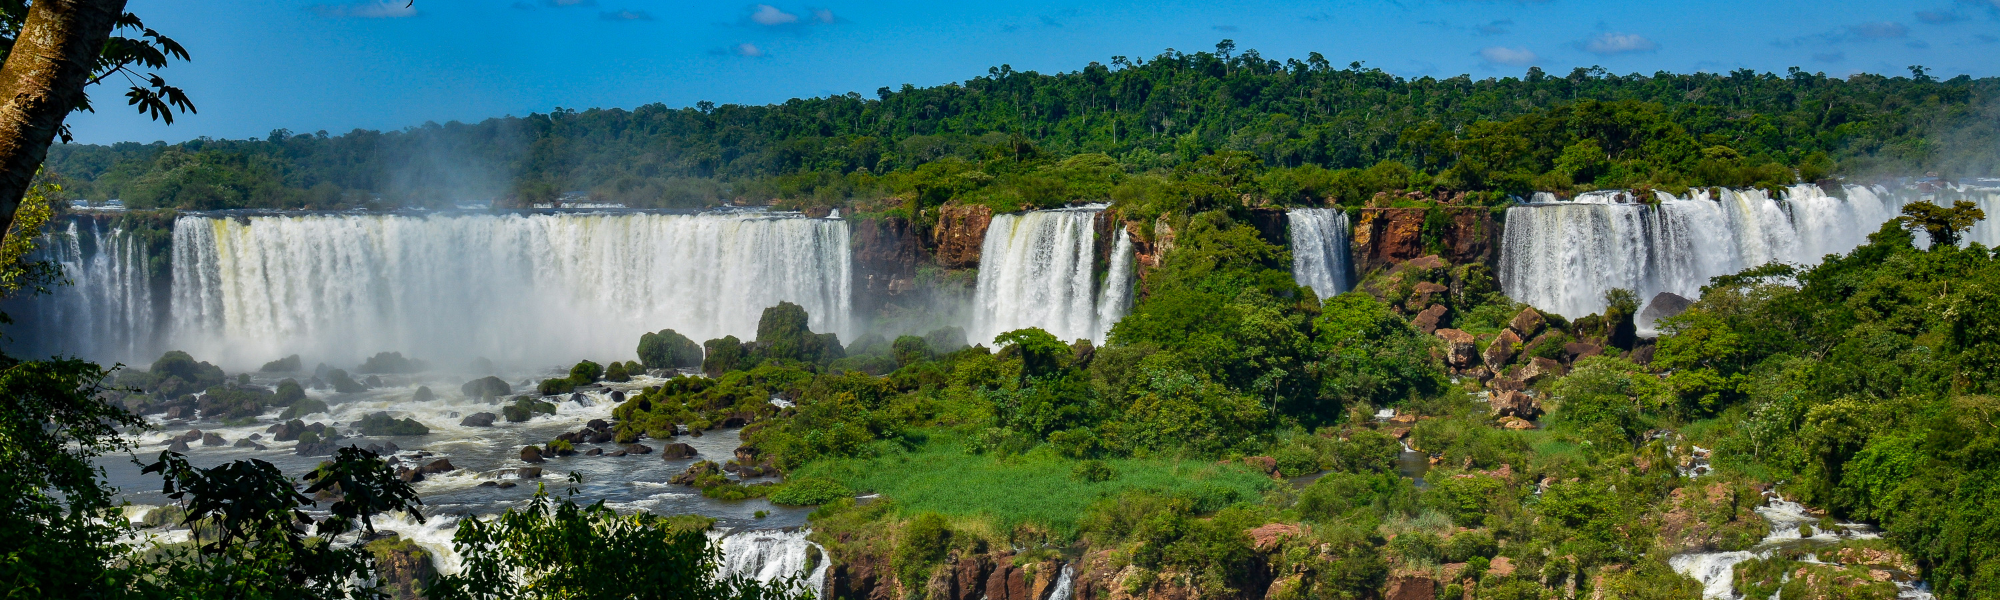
(41, 83)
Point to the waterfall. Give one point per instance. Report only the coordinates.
(1320, 253)
(529, 290)
(106, 313)
(768, 555)
(1036, 269)
(1562, 256)
(1065, 584)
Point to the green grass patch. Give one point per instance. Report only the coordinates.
(1038, 487)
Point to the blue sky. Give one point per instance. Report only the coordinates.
(308, 66)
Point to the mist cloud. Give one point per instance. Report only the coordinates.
(1619, 43)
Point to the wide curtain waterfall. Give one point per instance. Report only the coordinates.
(1563, 256)
(1037, 269)
(1321, 259)
(530, 290)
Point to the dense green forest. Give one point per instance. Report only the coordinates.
(1310, 131)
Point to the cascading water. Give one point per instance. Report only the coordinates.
(1036, 269)
(769, 555)
(521, 289)
(107, 312)
(1320, 253)
(1562, 256)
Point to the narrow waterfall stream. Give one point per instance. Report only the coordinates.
(1321, 257)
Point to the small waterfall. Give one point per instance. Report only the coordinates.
(1065, 584)
(1715, 570)
(768, 555)
(1562, 256)
(1320, 252)
(1036, 269)
(107, 313)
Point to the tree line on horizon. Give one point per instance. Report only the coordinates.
(1297, 132)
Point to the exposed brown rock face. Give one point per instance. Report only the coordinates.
(1388, 236)
(1526, 324)
(1271, 225)
(886, 253)
(1427, 320)
(1412, 587)
(1502, 349)
(1515, 404)
(961, 230)
(1461, 349)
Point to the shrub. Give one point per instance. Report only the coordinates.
(586, 372)
(921, 544)
(342, 383)
(283, 365)
(668, 349)
(910, 349)
(391, 362)
(1295, 460)
(381, 424)
(556, 385)
(289, 393)
(1465, 546)
(810, 491)
(302, 408)
(1094, 471)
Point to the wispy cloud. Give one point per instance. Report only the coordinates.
(748, 49)
(1499, 27)
(366, 10)
(1518, 56)
(625, 15)
(770, 16)
(1879, 31)
(821, 15)
(1939, 17)
(1609, 43)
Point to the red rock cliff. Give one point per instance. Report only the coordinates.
(1389, 236)
(961, 230)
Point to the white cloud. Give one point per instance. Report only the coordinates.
(822, 15)
(1619, 43)
(367, 10)
(748, 49)
(770, 15)
(1501, 55)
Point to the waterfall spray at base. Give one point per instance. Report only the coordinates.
(1037, 269)
(768, 555)
(1320, 253)
(1562, 256)
(519, 289)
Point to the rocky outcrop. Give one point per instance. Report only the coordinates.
(960, 232)
(1501, 349)
(1510, 403)
(1412, 587)
(1663, 305)
(484, 419)
(1526, 324)
(1427, 320)
(1388, 236)
(886, 253)
(404, 567)
(1461, 349)
(676, 451)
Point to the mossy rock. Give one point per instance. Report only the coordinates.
(381, 424)
(302, 408)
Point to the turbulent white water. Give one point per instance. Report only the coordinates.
(1717, 570)
(519, 289)
(1562, 256)
(1320, 254)
(768, 555)
(1037, 269)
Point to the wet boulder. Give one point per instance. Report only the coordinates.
(442, 465)
(484, 419)
(528, 472)
(1663, 305)
(695, 472)
(600, 436)
(637, 449)
(486, 387)
(676, 451)
(532, 454)
(213, 439)
(423, 394)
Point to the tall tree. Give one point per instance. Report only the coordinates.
(56, 48)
